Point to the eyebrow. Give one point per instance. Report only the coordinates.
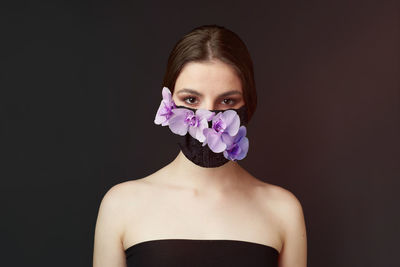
(191, 91)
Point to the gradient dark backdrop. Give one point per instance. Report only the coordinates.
(81, 82)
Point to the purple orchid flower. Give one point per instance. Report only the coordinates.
(237, 146)
(164, 112)
(224, 124)
(184, 120)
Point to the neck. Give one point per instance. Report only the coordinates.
(185, 173)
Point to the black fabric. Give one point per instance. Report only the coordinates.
(200, 252)
(203, 155)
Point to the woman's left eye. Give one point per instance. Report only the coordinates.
(229, 102)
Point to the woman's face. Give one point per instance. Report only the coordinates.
(210, 85)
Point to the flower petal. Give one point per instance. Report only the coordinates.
(177, 121)
(206, 131)
(166, 93)
(178, 127)
(182, 112)
(198, 133)
(214, 142)
(205, 113)
(242, 132)
(160, 118)
(232, 121)
(244, 147)
(227, 139)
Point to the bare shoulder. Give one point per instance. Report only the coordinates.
(283, 199)
(119, 195)
(289, 212)
(285, 206)
(116, 200)
(110, 225)
(123, 190)
(116, 205)
(113, 204)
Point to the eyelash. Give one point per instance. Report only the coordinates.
(233, 101)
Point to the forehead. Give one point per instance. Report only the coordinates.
(210, 78)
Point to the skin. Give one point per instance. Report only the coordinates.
(183, 200)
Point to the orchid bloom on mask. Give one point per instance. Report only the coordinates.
(185, 120)
(224, 124)
(237, 146)
(164, 112)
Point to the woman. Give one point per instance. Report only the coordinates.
(203, 208)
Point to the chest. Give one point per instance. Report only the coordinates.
(236, 217)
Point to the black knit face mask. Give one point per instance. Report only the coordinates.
(208, 138)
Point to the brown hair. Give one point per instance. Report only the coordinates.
(210, 42)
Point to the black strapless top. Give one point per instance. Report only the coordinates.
(200, 252)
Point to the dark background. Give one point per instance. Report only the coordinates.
(81, 83)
